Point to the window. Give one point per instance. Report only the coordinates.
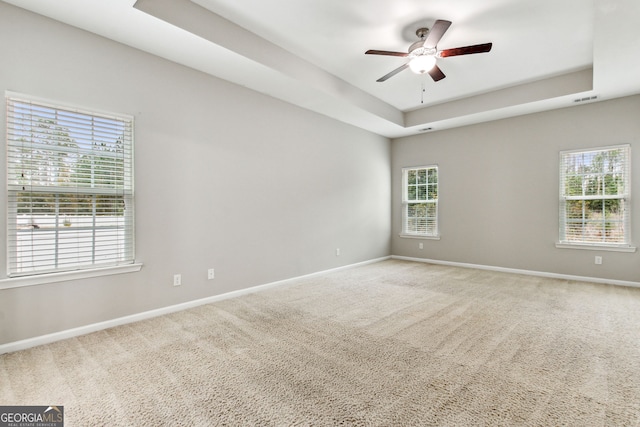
(70, 188)
(420, 202)
(594, 197)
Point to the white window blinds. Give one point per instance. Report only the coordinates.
(420, 201)
(70, 188)
(594, 196)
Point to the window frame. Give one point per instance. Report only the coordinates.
(124, 192)
(624, 196)
(405, 232)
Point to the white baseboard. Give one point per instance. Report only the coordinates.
(525, 272)
(83, 330)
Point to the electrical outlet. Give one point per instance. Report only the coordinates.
(211, 274)
(337, 251)
(177, 279)
(598, 260)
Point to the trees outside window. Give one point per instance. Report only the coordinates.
(420, 201)
(594, 196)
(70, 188)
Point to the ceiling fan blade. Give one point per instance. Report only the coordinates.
(466, 50)
(393, 73)
(436, 73)
(436, 32)
(385, 52)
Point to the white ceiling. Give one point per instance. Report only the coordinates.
(546, 53)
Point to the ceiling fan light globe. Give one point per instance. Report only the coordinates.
(423, 63)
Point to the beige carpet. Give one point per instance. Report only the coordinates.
(388, 344)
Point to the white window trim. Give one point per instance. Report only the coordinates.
(403, 233)
(596, 247)
(419, 236)
(83, 273)
(611, 247)
(42, 279)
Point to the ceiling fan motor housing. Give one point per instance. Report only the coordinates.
(421, 51)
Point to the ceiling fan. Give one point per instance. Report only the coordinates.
(423, 53)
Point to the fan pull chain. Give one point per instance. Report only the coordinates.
(422, 94)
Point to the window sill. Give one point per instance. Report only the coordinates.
(596, 247)
(41, 279)
(420, 236)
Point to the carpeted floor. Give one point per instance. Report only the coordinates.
(388, 344)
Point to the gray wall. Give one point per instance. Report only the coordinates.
(499, 189)
(226, 178)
